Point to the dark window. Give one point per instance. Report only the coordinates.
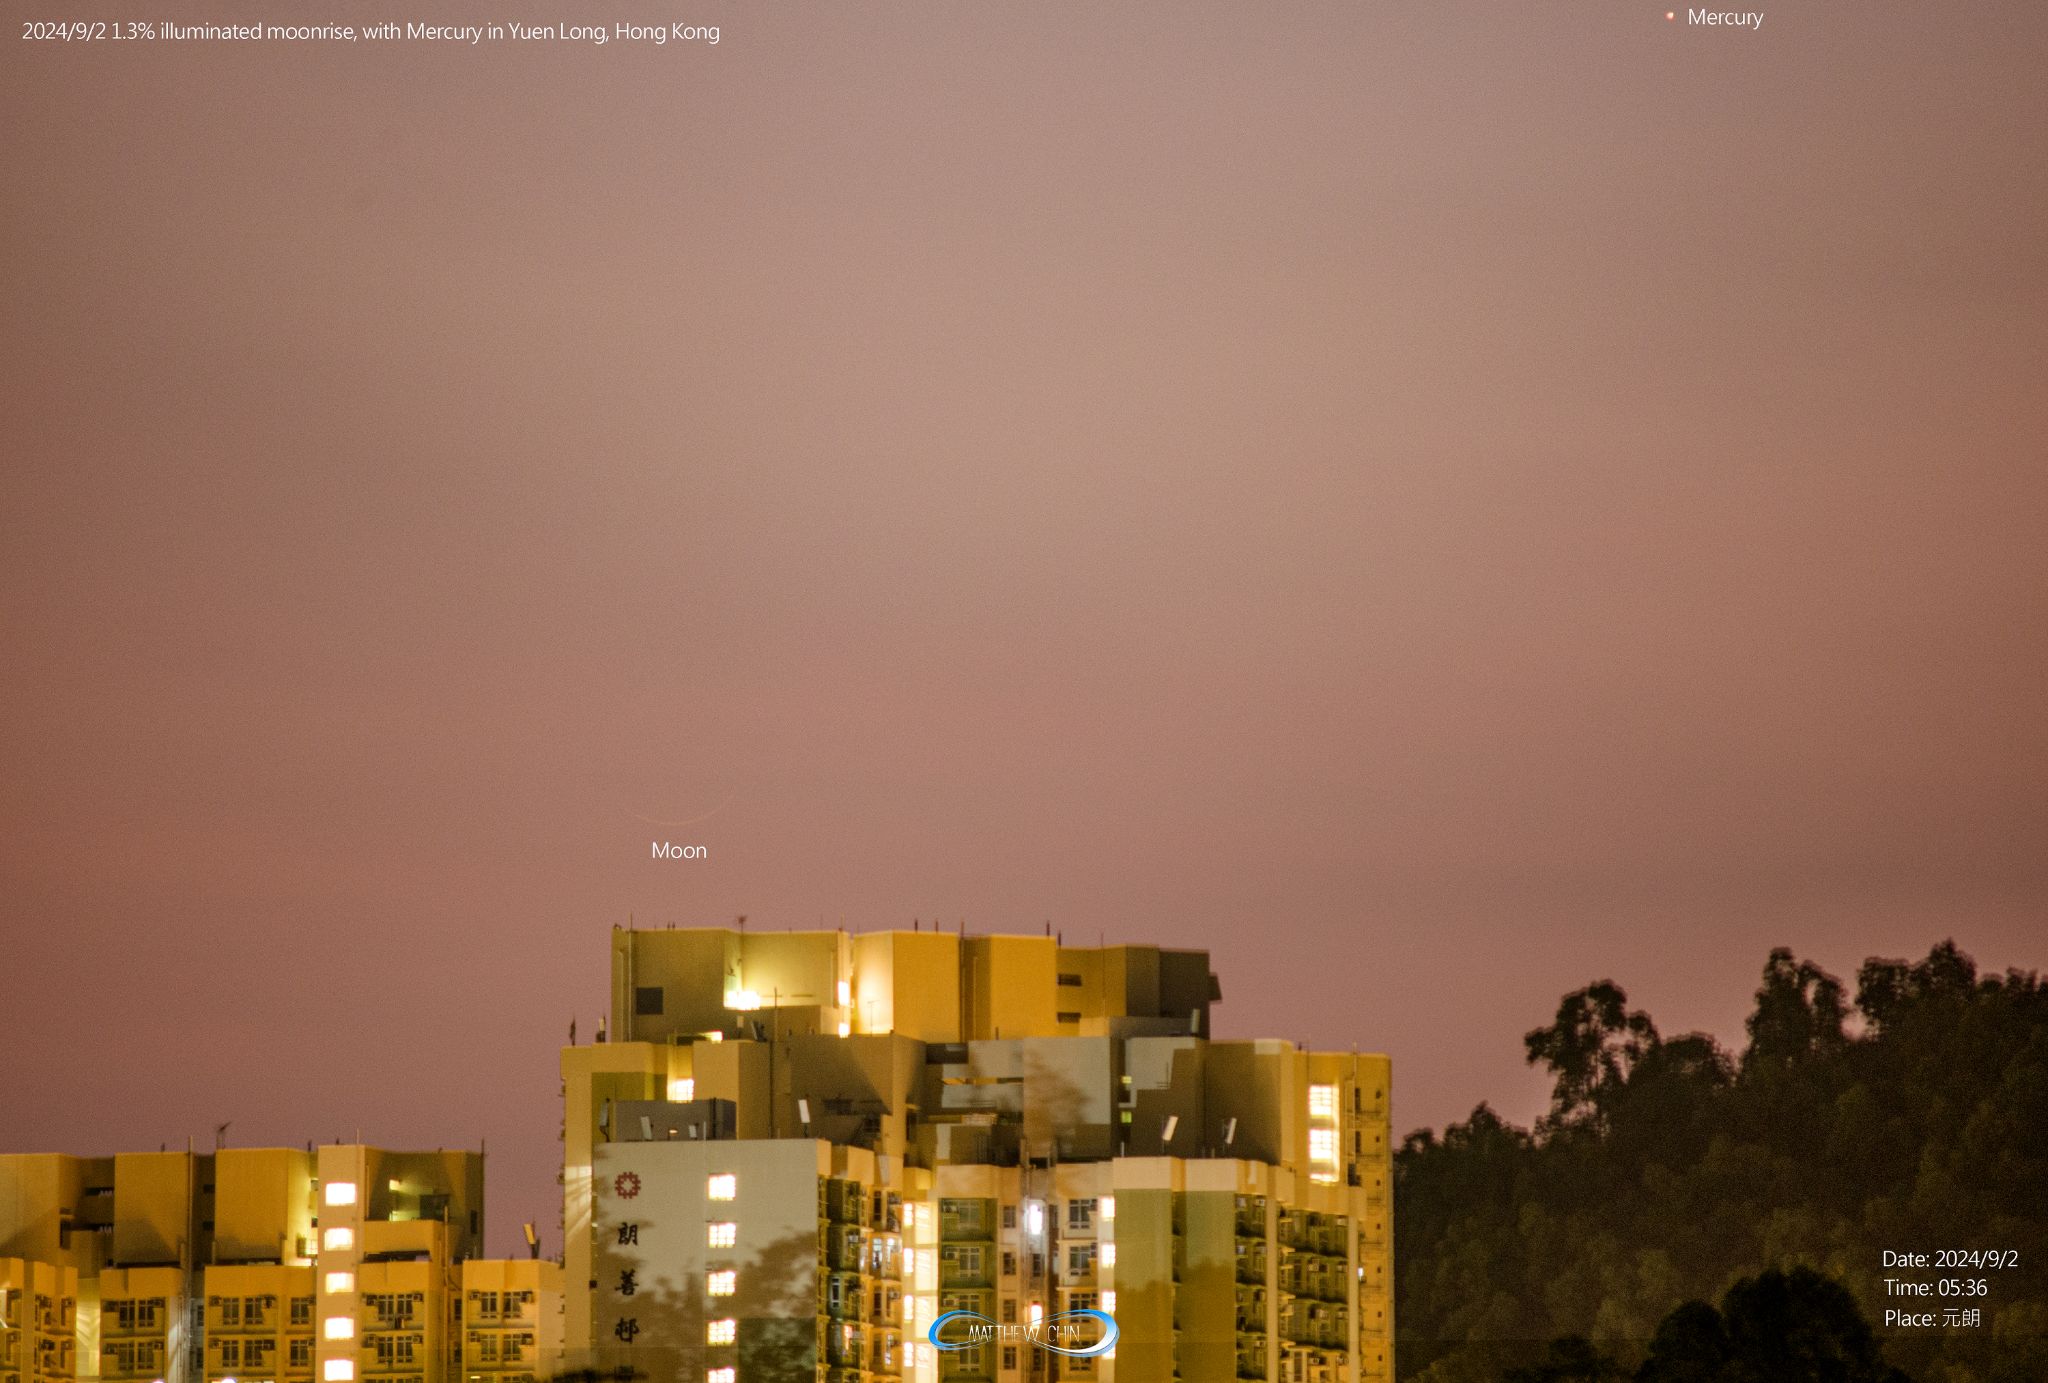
(647, 1001)
(1071, 981)
(1070, 1017)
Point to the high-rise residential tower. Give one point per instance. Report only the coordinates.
(794, 1151)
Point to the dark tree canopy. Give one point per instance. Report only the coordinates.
(1668, 1175)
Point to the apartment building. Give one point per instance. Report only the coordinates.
(1030, 1129)
(262, 1265)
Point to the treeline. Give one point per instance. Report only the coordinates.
(1675, 1190)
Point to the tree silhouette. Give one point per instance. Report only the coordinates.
(1777, 1327)
(1590, 1047)
(1660, 1178)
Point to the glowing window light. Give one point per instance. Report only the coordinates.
(338, 1193)
(341, 1282)
(1109, 1301)
(721, 1376)
(845, 1028)
(1034, 1217)
(1106, 1208)
(721, 1186)
(721, 1234)
(683, 1091)
(722, 1283)
(722, 1332)
(845, 993)
(1108, 1253)
(338, 1370)
(340, 1238)
(744, 1000)
(1322, 1102)
(339, 1327)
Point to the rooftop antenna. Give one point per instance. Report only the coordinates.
(220, 1135)
(532, 1241)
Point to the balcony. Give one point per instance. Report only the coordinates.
(846, 1251)
(964, 1270)
(845, 1347)
(965, 1219)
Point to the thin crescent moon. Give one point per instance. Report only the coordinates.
(690, 821)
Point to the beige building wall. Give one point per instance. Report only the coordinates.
(779, 1259)
(263, 1205)
(511, 1320)
(258, 1323)
(147, 1327)
(38, 1322)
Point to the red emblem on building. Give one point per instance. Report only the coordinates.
(626, 1184)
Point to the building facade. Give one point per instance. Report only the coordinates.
(1004, 1126)
(788, 1158)
(263, 1265)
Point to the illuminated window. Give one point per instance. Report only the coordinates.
(1037, 1313)
(338, 1370)
(845, 993)
(341, 1282)
(1109, 1301)
(845, 1028)
(339, 1237)
(339, 1193)
(1108, 1253)
(721, 1234)
(722, 1283)
(682, 1091)
(722, 1187)
(910, 1262)
(339, 1327)
(720, 1376)
(1034, 1218)
(745, 1000)
(721, 1332)
(1322, 1145)
(1322, 1102)
(1106, 1207)
(910, 1215)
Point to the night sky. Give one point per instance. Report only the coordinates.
(1435, 503)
